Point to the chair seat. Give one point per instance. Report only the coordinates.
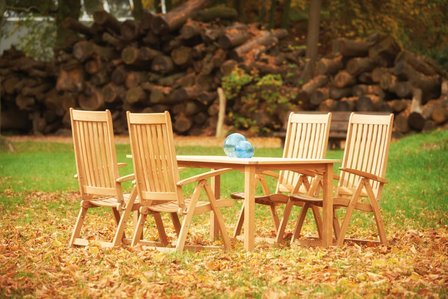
(270, 200)
(111, 202)
(173, 206)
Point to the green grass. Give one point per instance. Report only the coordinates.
(416, 172)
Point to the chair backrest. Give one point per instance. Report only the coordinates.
(154, 156)
(366, 148)
(306, 138)
(95, 155)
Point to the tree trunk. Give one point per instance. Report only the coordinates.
(312, 39)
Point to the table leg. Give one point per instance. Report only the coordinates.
(327, 208)
(249, 207)
(214, 227)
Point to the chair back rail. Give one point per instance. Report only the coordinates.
(306, 138)
(154, 158)
(95, 154)
(367, 148)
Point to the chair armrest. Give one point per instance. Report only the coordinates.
(125, 178)
(270, 173)
(202, 176)
(365, 174)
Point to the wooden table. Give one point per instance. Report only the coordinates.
(258, 164)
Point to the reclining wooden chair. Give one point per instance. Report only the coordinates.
(97, 173)
(157, 179)
(306, 138)
(361, 179)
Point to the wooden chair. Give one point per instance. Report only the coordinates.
(361, 179)
(157, 179)
(306, 138)
(97, 173)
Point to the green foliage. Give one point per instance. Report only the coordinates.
(234, 82)
(39, 39)
(250, 93)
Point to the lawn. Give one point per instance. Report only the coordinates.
(38, 204)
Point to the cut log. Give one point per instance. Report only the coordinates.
(416, 120)
(329, 65)
(417, 62)
(429, 85)
(129, 30)
(133, 79)
(84, 49)
(339, 93)
(162, 64)
(158, 93)
(176, 17)
(401, 125)
(107, 21)
(118, 75)
(343, 79)
(181, 56)
(91, 98)
(436, 110)
(319, 95)
(258, 44)
(233, 36)
(71, 80)
(182, 123)
(358, 65)
(191, 29)
(25, 102)
(361, 89)
(328, 105)
(398, 105)
(217, 12)
(136, 95)
(365, 78)
(113, 93)
(385, 51)
(351, 48)
(139, 57)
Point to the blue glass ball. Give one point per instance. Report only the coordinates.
(231, 141)
(244, 149)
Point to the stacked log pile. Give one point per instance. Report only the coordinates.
(165, 62)
(377, 75)
(26, 89)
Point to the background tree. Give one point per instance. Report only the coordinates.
(312, 39)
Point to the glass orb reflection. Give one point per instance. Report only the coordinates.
(244, 149)
(230, 143)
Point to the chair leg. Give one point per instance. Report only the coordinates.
(161, 229)
(239, 224)
(348, 214)
(176, 222)
(218, 216)
(138, 233)
(180, 244)
(300, 221)
(79, 221)
(336, 225)
(283, 222)
(318, 220)
(274, 217)
(377, 215)
(117, 215)
(119, 234)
